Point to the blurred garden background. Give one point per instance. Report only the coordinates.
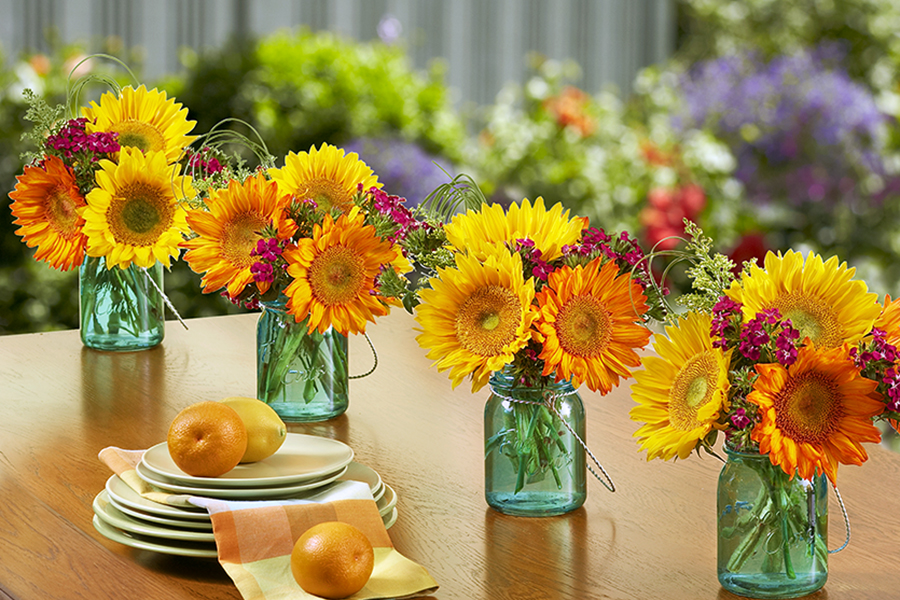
(772, 124)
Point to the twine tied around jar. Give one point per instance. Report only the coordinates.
(375, 358)
(549, 402)
(846, 520)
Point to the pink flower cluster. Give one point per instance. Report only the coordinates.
(268, 251)
(392, 206)
(73, 139)
(539, 267)
(204, 164)
(755, 335)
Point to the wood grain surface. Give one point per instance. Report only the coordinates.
(61, 403)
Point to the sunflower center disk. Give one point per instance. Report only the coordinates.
(327, 194)
(239, 238)
(61, 209)
(583, 326)
(337, 275)
(808, 408)
(692, 388)
(140, 215)
(812, 318)
(487, 320)
(139, 134)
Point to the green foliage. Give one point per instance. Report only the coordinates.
(302, 89)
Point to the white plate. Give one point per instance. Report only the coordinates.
(300, 458)
(151, 518)
(111, 515)
(196, 549)
(390, 520)
(257, 493)
(360, 472)
(122, 493)
(387, 502)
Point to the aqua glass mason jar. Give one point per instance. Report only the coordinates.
(533, 466)
(301, 375)
(121, 309)
(772, 529)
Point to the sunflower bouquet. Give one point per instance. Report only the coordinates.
(317, 240)
(534, 297)
(102, 193)
(792, 362)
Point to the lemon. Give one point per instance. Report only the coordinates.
(266, 431)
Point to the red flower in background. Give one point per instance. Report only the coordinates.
(569, 109)
(752, 245)
(663, 219)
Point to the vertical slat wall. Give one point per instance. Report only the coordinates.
(483, 41)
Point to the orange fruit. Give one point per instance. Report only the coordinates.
(332, 560)
(266, 431)
(207, 439)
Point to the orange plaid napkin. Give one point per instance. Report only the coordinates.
(254, 539)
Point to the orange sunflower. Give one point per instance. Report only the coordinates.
(588, 325)
(815, 413)
(326, 176)
(229, 231)
(45, 203)
(334, 274)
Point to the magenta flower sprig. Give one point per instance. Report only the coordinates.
(877, 360)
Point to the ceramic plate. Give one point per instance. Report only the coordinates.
(360, 472)
(300, 458)
(196, 549)
(256, 493)
(160, 520)
(121, 493)
(387, 502)
(112, 516)
(390, 520)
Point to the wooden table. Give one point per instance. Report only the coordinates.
(61, 403)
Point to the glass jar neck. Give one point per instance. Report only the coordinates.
(505, 380)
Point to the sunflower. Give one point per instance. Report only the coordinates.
(820, 298)
(889, 320)
(326, 176)
(334, 274)
(143, 119)
(680, 393)
(476, 316)
(477, 232)
(588, 327)
(229, 231)
(815, 413)
(133, 215)
(45, 203)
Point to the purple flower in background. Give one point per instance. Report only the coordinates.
(403, 167)
(802, 130)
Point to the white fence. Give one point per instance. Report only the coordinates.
(483, 41)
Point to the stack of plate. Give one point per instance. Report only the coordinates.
(303, 466)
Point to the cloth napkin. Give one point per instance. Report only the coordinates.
(254, 539)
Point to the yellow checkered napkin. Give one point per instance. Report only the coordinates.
(254, 539)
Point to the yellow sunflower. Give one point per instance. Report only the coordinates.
(334, 274)
(478, 231)
(143, 119)
(229, 231)
(133, 215)
(820, 298)
(476, 316)
(680, 393)
(327, 176)
(588, 325)
(815, 413)
(45, 203)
